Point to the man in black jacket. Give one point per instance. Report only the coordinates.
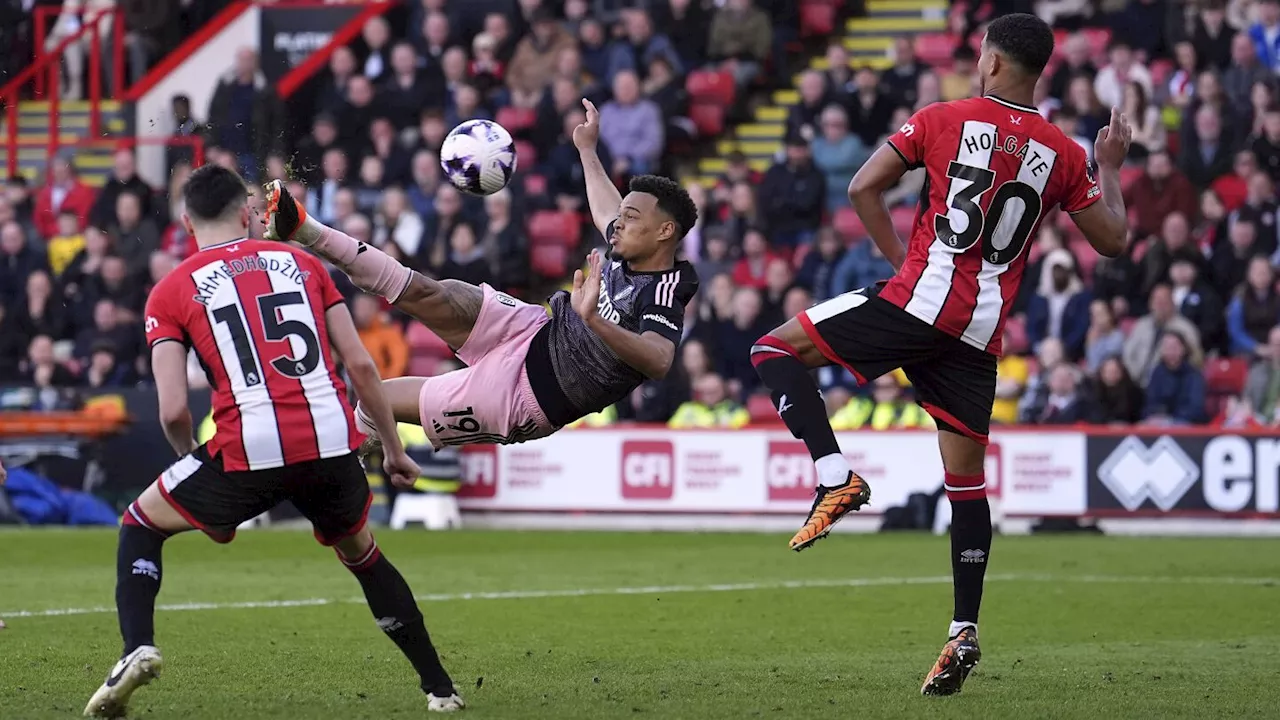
(245, 115)
(791, 196)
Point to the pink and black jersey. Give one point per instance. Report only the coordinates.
(993, 170)
(254, 312)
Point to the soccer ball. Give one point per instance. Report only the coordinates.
(478, 157)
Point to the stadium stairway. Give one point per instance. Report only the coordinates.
(869, 40)
(93, 163)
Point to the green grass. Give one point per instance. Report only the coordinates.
(1072, 627)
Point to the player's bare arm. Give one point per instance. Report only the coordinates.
(169, 365)
(866, 192)
(650, 353)
(602, 195)
(373, 401)
(1105, 223)
(448, 307)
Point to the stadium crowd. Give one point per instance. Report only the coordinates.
(1143, 338)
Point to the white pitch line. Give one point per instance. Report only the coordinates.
(670, 589)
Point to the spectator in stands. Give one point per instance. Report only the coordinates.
(838, 154)
(750, 271)
(1265, 33)
(1197, 302)
(383, 339)
(1182, 85)
(485, 70)
(368, 185)
(1161, 190)
(1075, 63)
(321, 197)
(1212, 35)
(688, 25)
(928, 90)
(1060, 308)
(332, 95)
(1260, 206)
(740, 40)
(397, 223)
(1049, 354)
(449, 211)
(1246, 69)
(886, 409)
(1262, 389)
(425, 180)
(18, 194)
(956, 82)
(1123, 69)
(1090, 114)
(432, 37)
(638, 46)
(565, 181)
(135, 236)
(107, 328)
(18, 261)
(308, 159)
(431, 131)
(106, 368)
(1173, 243)
(1254, 309)
(1065, 404)
(41, 369)
(1176, 392)
(534, 63)
(1120, 400)
(901, 81)
(1231, 259)
(839, 72)
(631, 127)
(361, 106)
(62, 189)
(1233, 187)
(245, 115)
(1105, 338)
(595, 49)
(1211, 230)
(1210, 154)
(736, 334)
(13, 347)
(870, 108)
(711, 407)
(124, 177)
(1266, 145)
(778, 280)
(815, 96)
(404, 89)
(792, 196)
(1141, 353)
(1012, 373)
(39, 312)
(1149, 134)
(68, 243)
(861, 267)
(715, 253)
(75, 278)
(376, 37)
(504, 244)
(817, 272)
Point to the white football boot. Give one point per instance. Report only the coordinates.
(450, 703)
(134, 670)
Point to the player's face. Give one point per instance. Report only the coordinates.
(640, 229)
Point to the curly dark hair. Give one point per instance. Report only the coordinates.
(1025, 39)
(672, 200)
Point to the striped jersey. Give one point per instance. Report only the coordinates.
(254, 312)
(993, 169)
(585, 375)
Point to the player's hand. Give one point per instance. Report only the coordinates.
(1112, 145)
(586, 288)
(400, 468)
(586, 135)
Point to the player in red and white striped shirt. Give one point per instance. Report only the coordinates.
(265, 321)
(994, 168)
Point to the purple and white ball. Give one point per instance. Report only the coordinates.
(478, 157)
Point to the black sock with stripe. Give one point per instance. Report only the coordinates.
(397, 614)
(138, 570)
(970, 544)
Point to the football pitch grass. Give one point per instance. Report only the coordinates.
(632, 625)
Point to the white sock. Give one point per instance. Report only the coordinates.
(833, 470)
(957, 626)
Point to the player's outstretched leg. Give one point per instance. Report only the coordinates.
(138, 572)
(448, 307)
(397, 614)
(783, 359)
(963, 460)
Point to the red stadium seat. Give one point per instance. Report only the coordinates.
(936, 48)
(516, 119)
(708, 118)
(1099, 39)
(526, 155)
(904, 220)
(1129, 175)
(554, 227)
(817, 18)
(535, 185)
(549, 261)
(1226, 375)
(760, 409)
(711, 86)
(848, 225)
(426, 350)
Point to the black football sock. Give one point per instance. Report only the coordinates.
(800, 406)
(398, 616)
(138, 571)
(970, 545)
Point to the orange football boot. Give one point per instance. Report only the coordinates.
(957, 660)
(831, 504)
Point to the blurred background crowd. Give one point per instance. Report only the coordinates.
(1182, 329)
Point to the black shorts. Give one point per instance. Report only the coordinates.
(333, 493)
(954, 382)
